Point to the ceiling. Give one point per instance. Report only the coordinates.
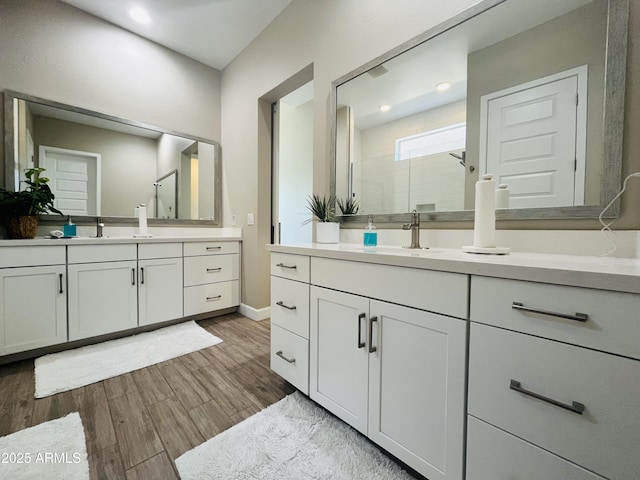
(210, 31)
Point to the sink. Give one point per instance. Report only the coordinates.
(407, 252)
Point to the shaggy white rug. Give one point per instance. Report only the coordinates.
(71, 369)
(51, 450)
(291, 440)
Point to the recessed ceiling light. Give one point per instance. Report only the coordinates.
(443, 86)
(140, 15)
(385, 108)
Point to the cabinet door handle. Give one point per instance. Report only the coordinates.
(290, 360)
(217, 297)
(282, 304)
(214, 248)
(133, 276)
(61, 289)
(578, 317)
(362, 316)
(142, 275)
(282, 265)
(371, 347)
(575, 407)
(213, 270)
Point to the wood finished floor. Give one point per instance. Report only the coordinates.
(137, 424)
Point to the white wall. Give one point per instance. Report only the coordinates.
(336, 36)
(54, 51)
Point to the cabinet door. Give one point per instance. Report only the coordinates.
(33, 308)
(103, 298)
(417, 388)
(160, 290)
(338, 354)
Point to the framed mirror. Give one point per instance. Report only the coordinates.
(100, 165)
(530, 92)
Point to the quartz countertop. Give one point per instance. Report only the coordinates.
(605, 273)
(41, 241)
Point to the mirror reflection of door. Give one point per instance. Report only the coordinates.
(292, 164)
(533, 139)
(74, 179)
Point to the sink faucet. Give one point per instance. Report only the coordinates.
(414, 226)
(99, 227)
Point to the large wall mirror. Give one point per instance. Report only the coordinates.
(104, 166)
(530, 92)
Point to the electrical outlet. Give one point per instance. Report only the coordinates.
(250, 219)
(234, 220)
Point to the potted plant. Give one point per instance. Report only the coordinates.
(323, 209)
(19, 210)
(350, 206)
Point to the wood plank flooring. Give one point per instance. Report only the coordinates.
(137, 424)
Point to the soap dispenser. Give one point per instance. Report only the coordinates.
(370, 234)
(70, 228)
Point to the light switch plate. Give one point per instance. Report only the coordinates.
(250, 219)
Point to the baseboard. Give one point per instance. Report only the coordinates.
(256, 314)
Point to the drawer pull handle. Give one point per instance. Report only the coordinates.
(289, 360)
(575, 407)
(142, 275)
(60, 278)
(214, 248)
(217, 297)
(133, 276)
(578, 317)
(371, 347)
(214, 270)
(362, 316)
(282, 265)
(282, 304)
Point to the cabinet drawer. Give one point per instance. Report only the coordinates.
(439, 292)
(294, 267)
(611, 325)
(494, 454)
(290, 357)
(32, 256)
(604, 439)
(192, 249)
(159, 250)
(211, 297)
(290, 305)
(214, 268)
(102, 253)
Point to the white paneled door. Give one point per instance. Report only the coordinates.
(533, 137)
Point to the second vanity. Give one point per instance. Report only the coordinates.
(55, 292)
(466, 366)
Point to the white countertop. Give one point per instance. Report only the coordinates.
(617, 274)
(40, 241)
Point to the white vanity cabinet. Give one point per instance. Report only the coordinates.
(394, 372)
(160, 286)
(103, 289)
(33, 298)
(554, 374)
(211, 276)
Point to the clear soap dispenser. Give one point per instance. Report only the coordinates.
(370, 234)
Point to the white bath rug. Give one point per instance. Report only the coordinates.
(71, 369)
(290, 440)
(51, 450)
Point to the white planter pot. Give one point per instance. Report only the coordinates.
(327, 232)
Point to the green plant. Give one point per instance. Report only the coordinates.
(322, 208)
(350, 206)
(36, 199)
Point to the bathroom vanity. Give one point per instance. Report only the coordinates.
(467, 366)
(59, 291)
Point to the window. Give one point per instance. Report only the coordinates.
(440, 140)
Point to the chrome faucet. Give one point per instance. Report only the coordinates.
(99, 227)
(414, 226)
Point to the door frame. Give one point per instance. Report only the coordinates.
(42, 156)
(581, 73)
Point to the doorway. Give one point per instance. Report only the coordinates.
(292, 166)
